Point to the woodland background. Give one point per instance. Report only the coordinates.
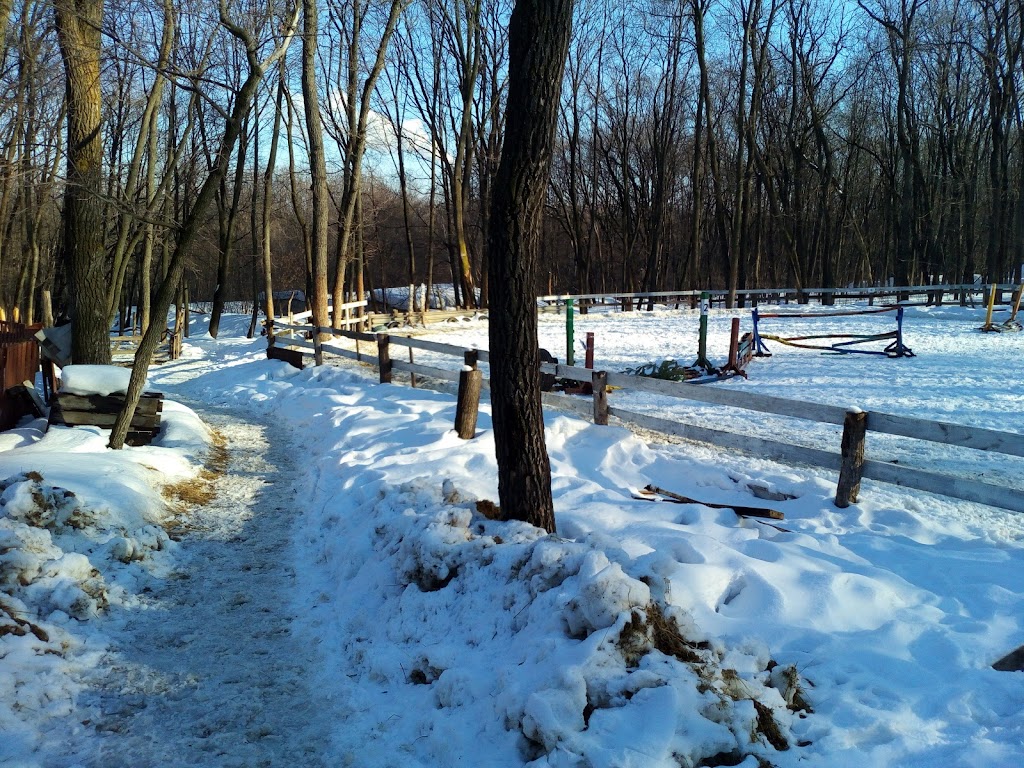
(701, 144)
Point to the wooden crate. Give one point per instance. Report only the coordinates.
(101, 411)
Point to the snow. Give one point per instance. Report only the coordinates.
(346, 599)
(94, 379)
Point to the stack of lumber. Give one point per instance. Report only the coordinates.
(101, 411)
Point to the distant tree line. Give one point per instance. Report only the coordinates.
(182, 145)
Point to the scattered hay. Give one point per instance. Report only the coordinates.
(201, 490)
(769, 728)
(634, 640)
(787, 681)
(669, 640)
(653, 630)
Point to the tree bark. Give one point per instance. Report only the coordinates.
(317, 167)
(539, 32)
(78, 32)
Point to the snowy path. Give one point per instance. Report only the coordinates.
(211, 674)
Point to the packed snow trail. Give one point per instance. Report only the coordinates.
(210, 673)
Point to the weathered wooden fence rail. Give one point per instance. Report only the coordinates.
(851, 470)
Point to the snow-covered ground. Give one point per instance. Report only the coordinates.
(343, 600)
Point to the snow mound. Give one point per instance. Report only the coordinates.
(62, 562)
(580, 659)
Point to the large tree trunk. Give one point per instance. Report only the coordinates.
(78, 31)
(317, 168)
(539, 32)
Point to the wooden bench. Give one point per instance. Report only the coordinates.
(101, 411)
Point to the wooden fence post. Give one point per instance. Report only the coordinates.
(384, 357)
(855, 427)
(734, 345)
(470, 382)
(599, 381)
(589, 358)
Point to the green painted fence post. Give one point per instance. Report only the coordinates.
(570, 358)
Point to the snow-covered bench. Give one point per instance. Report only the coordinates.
(93, 395)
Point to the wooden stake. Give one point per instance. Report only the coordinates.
(991, 306)
(589, 358)
(855, 427)
(412, 376)
(470, 383)
(600, 386)
(384, 358)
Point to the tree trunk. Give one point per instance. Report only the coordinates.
(78, 31)
(539, 32)
(268, 183)
(317, 167)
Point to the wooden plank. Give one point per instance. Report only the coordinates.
(349, 305)
(350, 354)
(350, 321)
(425, 370)
(278, 327)
(739, 509)
(302, 343)
(735, 398)
(979, 438)
(291, 356)
(106, 420)
(582, 406)
(106, 403)
(570, 372)
(762, 448)
(954, 487)
(34, 402)
(430, 346)
(347, 334)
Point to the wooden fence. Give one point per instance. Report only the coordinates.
(847, 459)
(19, 361)
(124, 348)
(354, 316)
(965, 293)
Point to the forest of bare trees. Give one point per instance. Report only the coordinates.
(700, 144)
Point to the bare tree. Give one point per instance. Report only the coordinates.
(78, 30)
(189, 229)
